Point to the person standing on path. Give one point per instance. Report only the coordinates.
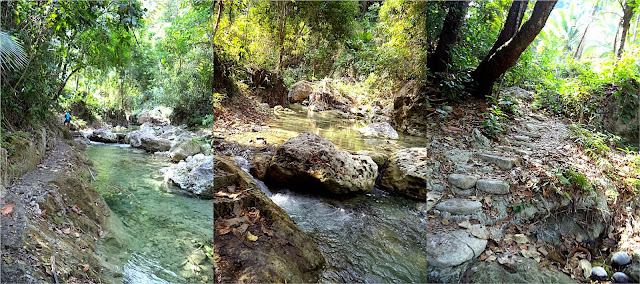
(67, 118)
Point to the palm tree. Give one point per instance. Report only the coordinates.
(12, 54)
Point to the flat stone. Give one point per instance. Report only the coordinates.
(462, 181)
(460, 206)
(493, 186)
(530, 134)
(457, 156)
(538, 117)
(522, 138)
(505, 163)
(533, 127)
(453, 249)
(620, 277)
(479, 231)
(529, 145)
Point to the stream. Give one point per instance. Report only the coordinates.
(154, 231)
(373, 238)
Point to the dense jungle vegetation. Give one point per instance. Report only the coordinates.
(104, 60)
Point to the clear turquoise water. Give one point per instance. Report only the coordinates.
(153, 232)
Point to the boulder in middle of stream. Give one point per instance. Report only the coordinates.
(310, 162)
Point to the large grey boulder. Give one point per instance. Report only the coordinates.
(308, 162)
(183, 149)
(406, 173)
(103, 135)
(193, 175)
(134, 138)
(300, 91)
(158, 115)
(155, 144)
(379, 129)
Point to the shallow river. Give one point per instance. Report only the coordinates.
(373, 238)
(155, 231)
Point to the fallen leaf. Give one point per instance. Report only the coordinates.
(451, 129)
(520, 238)
(66, 231)
(240, 230)
(445, 221)
(236, 221)
(43, 213)
(465, 224)
(8, 209)
(224, 231)
(251, 237)
(85, 267)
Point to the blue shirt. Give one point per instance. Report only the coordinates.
(67, 116)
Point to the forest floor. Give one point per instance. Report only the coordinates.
(535, 216)
(52, 204)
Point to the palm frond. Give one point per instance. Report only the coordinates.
(12, 54)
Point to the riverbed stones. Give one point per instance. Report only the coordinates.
(406, 173)
(260, 165)
(460, 206)
(183, 149)
(598, 273)
(134, 138)
(621, 277)
(493, 186)
(103, 135)
(505, 163)
(620, 258)
(462, 181)
(282, 253)
(158, 116)
(309, 162)
(380, 130)
(193, 175)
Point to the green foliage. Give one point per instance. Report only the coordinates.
(595, 143)
(493, 124)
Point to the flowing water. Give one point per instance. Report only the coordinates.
(373, 238)
(153, 232)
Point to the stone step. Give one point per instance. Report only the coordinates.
(524, 144)
(522, 138)
(493, 186)
(533, 127)
(460, 206)
(462, 181)
(530, 134)
(505, 163)
(538, 117)
(514, 150)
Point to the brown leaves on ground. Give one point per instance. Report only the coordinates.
(7, 210)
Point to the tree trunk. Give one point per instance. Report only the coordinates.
(496, 64)
(215, 29)
(580, 48)
(448, 37)
(282, 29)
(64, 83)
(626, 22)
(511, 25)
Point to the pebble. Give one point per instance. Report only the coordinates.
(620, 277)
(598, 273)
(620, 258)
(460, 206)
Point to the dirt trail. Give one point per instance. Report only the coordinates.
(56, 211)
(490, 200)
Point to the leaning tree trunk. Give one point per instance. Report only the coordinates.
(511, 25)
(626, 22)
(580, 48)
(448, 37)
(496, 64)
